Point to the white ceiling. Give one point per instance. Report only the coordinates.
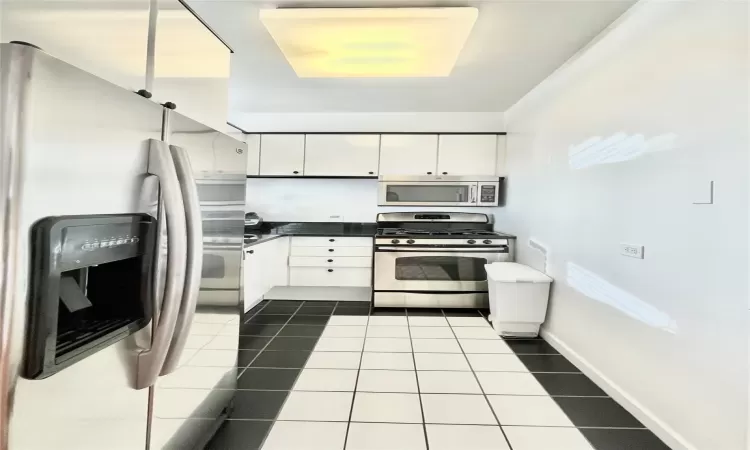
(513, 47)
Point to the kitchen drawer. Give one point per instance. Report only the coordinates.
(331, 251)
(321, 276)
(330, 241)
(324, 261)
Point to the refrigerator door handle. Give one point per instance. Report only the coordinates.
(171, 208)
(194, 257)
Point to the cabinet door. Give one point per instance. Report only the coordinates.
(354, 155)
(467, 154)
(282, 154)
(253, 154)
(323, 276)
(408, 154)
(278, 262)
(255, 284)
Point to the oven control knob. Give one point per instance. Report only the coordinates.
(471, 241)
(395, 241)
(487, 241)
(410, 241)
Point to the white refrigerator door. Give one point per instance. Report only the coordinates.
(73, 144)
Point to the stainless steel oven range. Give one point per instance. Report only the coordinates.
(436, 260)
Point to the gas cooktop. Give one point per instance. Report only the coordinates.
(445, 233)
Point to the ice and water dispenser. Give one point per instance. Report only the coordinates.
(90, 286)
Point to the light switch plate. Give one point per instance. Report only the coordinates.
(634, 251)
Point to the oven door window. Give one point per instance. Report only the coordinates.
(410, 193)
(440, 268)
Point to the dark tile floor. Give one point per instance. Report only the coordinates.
(340, 375)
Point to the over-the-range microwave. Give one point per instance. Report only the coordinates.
(438, 191)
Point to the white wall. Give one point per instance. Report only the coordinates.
(667, 333)
(316, 200)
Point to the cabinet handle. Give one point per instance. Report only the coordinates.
(296, 172)
(371, 173)
(445, 173)
(429, 173)
(331, 240)
(251, 251)
(330, 260)
(330, 249)
(330, 270)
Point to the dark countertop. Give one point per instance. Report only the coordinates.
(274, 230)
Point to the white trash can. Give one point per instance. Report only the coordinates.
(518, 298)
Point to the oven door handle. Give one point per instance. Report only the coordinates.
(500, 249)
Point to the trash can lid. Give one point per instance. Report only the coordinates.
(510, 272)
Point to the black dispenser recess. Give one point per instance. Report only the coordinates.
(90, 286)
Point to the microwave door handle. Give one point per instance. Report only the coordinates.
(194, 258)
(172, 230)
(473, 190)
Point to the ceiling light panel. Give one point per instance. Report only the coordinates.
(370, 42)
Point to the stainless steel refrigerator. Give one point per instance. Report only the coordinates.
(121, 228)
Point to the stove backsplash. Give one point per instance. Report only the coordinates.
(323, 200)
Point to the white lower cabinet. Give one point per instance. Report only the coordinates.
(330, 261)
(306, 261)
(266, 266)
(322, 276)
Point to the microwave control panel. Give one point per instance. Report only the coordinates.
(488, 193)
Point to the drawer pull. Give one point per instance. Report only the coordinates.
(251, 251)
(331, 240)
(330, 249)
(330, 270)
(330, 260)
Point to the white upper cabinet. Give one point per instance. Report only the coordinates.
(467, 154)
(253, 153)
(282, 154)
(354, 155)
(408, 154)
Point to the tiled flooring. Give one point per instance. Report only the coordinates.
(335, 376)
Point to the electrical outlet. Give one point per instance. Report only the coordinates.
(634, 251)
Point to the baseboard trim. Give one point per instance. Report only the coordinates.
(666, 433)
